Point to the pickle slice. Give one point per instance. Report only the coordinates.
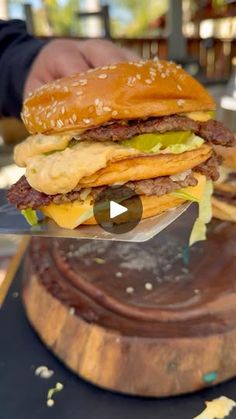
(147, 142)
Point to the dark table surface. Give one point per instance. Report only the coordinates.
(23, 394)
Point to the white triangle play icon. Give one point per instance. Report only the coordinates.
(116, 209)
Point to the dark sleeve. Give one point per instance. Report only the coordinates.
(17, 52)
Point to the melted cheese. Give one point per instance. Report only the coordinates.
(62, 171)
(39, 144)
(70, 215)
(197, 191)
(199, 116)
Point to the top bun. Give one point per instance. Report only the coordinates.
(126, 90)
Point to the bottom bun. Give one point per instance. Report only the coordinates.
(223, 211)
(67, 215)
(72, 214)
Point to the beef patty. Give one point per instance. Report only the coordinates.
(22, 195)
(211, 131)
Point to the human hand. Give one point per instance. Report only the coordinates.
(61, 58)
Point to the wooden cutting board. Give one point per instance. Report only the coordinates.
(150, 319)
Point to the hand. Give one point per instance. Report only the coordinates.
(61, 58)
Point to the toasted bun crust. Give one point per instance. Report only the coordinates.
(228, 154)
(152, 205)
(147, 167)
(223, 210)
(122, 91)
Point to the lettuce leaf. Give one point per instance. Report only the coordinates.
(180, 193)
(204, 215)
(191, 143)
(175, 142)
(204, 211)
(30, 216)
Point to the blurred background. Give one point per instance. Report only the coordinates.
(199, 34)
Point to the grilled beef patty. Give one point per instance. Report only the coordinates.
(22, 195)
(211, 131)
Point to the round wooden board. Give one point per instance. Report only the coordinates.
(92, 304)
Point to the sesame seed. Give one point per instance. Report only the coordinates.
(63, 110)
(75, 84)
(59, 123)
(138, 76)
(114, 113)
(179, 87)
(112, 67)
(106, 109)
(148, 81)
(83, 82)
(65, 88)
(102, 76)
(97, 101)
(163, 75)
(79, 93)
(72, 311)
(52, 123)
(148, 286)
(180, 102)
(86, 120)
(74, 117)
(129, 290)
(119, 274)
(131, 81)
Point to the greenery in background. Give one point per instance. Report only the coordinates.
(57, 17)
(61, 18)
(142, 13)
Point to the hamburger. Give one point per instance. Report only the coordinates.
(224, 198)
(147, 125)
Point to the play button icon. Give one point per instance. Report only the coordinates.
(117, 209)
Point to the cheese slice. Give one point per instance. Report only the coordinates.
(198, 190)
(200, 116)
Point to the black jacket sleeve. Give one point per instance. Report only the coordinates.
(17, 52)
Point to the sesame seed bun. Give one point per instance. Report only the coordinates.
(118, 92)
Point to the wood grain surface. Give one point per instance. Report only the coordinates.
(150, 319)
